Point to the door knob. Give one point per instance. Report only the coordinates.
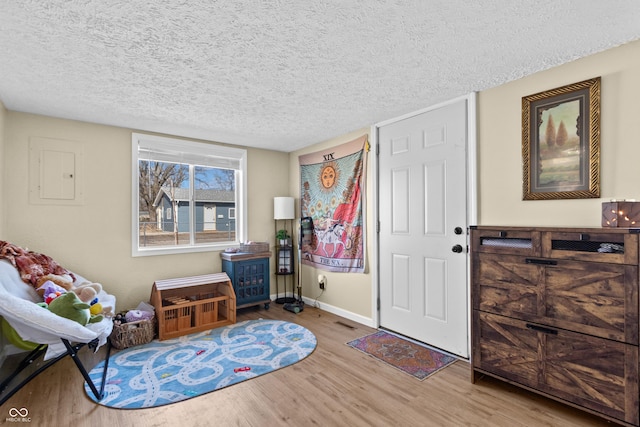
(457, 249)
(457, 230)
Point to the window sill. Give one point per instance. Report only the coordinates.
(139, 252)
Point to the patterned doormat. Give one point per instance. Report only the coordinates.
(416, 360)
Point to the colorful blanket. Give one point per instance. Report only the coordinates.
(31, 265)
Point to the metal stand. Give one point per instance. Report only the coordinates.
(72, 350)
(288, 225)
(297, 305)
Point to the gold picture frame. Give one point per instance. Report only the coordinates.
(561, 142)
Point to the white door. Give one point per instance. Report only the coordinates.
(209, 217)
(423, 222)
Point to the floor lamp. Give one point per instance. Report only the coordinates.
(284, 209)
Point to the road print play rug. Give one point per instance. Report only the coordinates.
(164, 372)
(415, 359)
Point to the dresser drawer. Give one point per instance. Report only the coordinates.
(594, 246)
(504, 346)
(595, 373)
(592, 298)
(506, 241)
(505, 284)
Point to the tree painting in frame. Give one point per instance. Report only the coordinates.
(561, 142)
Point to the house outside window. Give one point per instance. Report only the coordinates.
(187, 196)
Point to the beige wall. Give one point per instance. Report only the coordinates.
(346, 293)
(500, 162)
(94, 239)
(3, 114)
(499, 146)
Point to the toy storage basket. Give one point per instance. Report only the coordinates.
(130, 334)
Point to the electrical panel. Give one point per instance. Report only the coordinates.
(55, 171)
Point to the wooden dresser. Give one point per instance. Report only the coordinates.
(555, 310)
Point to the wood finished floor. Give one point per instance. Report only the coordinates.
(335, 386)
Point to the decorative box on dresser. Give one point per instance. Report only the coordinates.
(555, 311)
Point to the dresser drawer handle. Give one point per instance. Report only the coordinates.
(542, 329)
(541, 261)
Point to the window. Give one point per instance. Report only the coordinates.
(187, 196)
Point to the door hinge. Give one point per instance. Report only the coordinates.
(378, 227)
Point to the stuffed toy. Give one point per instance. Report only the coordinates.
(65, 281)
(135, 315)
(87, 292)
(51, 296)
(96, 308)
(69, 305)
(50, 291)
(107, 310)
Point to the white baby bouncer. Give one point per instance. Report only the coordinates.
(35, 331)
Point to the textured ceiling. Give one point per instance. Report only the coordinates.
(283, 74)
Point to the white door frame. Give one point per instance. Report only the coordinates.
(472, 195)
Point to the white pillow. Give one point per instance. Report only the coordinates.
(37, 324)
(11, 282)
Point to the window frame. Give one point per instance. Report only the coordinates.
(193, 148)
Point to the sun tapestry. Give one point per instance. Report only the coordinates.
(332, 196)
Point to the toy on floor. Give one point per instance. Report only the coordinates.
(135, 315)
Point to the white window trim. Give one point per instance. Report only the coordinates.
(197, 147)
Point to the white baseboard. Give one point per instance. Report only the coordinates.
(337, 311)
(340, 312)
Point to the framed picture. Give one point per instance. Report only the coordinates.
(561, 142)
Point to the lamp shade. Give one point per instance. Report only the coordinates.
(283, 208)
